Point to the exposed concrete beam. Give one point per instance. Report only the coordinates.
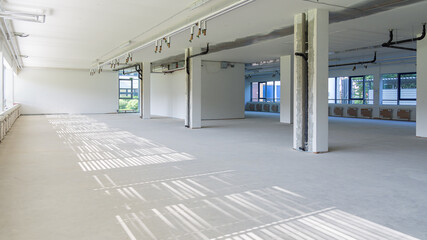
(355, 11)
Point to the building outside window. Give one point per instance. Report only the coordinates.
(399, 89)
(342, 90)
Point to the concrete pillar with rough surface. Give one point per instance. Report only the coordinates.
(311, 81)
(300, 81)
(286, 89)
(421, 128)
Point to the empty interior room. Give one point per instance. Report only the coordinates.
(213, 119)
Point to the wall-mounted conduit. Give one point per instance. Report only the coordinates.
(356, 63)
(390, 43)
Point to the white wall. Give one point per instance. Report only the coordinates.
(168, 94)
(50, 91)
(223, 91)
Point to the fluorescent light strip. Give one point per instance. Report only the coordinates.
(39, 18)
(182, 29)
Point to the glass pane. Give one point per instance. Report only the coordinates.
(270, 91)
(277, 90)
(331, 90)
(125, 84)
(254, 92)
(389, 89)
(408, 86)
(356, 90)
(369, 89)
(262, 91)
(342, 90)
(135, 84)
(408, 102)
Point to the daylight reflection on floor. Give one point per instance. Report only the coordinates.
(204, 205)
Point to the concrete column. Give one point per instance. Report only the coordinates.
(286, 89)
(145, 91)
(300, 82)
(311, 82)
(193, 118)
(421, 128)
(318, 72)
(2, 96)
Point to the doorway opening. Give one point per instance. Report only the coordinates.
(129, 94)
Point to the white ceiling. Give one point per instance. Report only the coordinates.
(77, 32)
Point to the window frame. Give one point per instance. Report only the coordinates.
(335, 90)
(398, 99)
(350, 92)
(399, 87)
(350, 98)
(127, 93)
(264, 99)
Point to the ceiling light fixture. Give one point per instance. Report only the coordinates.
(125, 44)
(191, 33)
(157, 46)
(21, 16)
(199, 24)
(204, 28)
(168, 40)
(198, 3)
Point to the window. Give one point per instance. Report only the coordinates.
(277, 91)
(351, 90)
(408, 89)
(399, 89)
(342, 90)
(254, 92)
(270, 91)
(128, 92)
(262, 97)
(331, 90)
(369, 89)
(126, 89)
(265, 91)
(8, 85)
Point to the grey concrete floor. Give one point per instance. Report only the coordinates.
(120, 177)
